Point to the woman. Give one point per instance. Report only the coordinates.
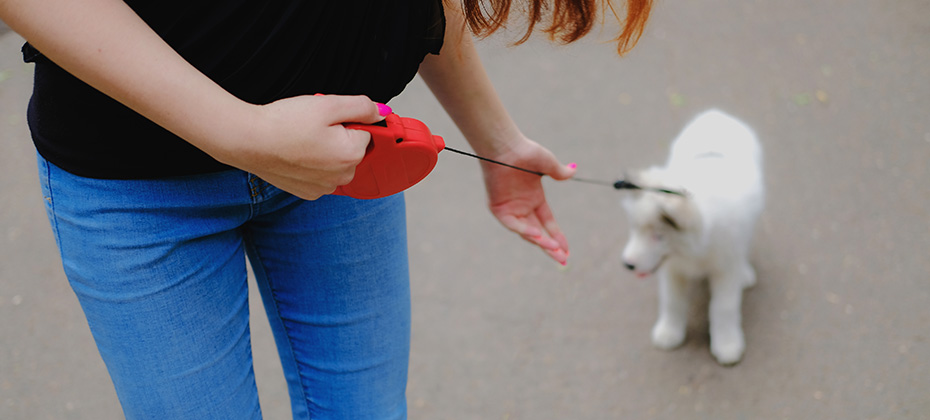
(175, 137)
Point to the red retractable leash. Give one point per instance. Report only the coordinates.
(403, 151)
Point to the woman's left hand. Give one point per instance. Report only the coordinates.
(517, 199)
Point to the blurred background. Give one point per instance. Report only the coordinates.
(837, 328)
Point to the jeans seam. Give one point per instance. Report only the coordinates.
(50, 202)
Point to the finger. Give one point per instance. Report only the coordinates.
(361, 138)
(355, 109)
(519, 226)
(552, 167)
(560, 256)
(547, 219)
(530, 230)
(544, 242)
(534, 235)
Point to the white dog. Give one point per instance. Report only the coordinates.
(705, 234)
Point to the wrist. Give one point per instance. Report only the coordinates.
(225, 130)
(495, 142)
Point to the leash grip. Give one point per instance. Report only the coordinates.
(401, 153)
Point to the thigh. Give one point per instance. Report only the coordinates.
(334, 278)
(161, 279)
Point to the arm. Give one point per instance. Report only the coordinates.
(297, 144)
(458, 80)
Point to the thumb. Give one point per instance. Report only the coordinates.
(560, 172)
(355, 109)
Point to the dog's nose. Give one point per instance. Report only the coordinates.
(629, 266)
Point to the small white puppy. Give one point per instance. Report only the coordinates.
(706, 234)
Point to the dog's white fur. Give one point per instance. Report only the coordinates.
(717, 161)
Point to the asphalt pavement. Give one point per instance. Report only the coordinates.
(838, 326)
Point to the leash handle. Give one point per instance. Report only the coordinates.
(401, 153)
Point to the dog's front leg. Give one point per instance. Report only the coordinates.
(669, 331)
(726, 332)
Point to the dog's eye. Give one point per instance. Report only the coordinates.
(669, 221)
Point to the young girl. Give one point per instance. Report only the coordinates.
(176, 137)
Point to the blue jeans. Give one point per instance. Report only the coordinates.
(159, 268)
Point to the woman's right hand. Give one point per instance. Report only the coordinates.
(299, 144)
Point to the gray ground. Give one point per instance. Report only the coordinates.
(838, 327)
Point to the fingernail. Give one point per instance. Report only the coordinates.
(384, 110)
(572, 165)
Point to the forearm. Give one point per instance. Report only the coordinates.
(458, 80)
(105, 44)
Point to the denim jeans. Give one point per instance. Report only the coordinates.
(159, 268)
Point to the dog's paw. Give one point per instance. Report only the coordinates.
(728, 348)
(667, 336)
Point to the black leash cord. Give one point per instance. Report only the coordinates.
(494, 161)
(619, 184)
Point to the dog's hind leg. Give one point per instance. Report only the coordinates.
(669, 331)
(727, 342)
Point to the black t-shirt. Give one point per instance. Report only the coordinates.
(258, 50)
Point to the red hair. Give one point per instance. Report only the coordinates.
(569, 20)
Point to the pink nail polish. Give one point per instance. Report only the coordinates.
(384, 110)
(572, 165)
